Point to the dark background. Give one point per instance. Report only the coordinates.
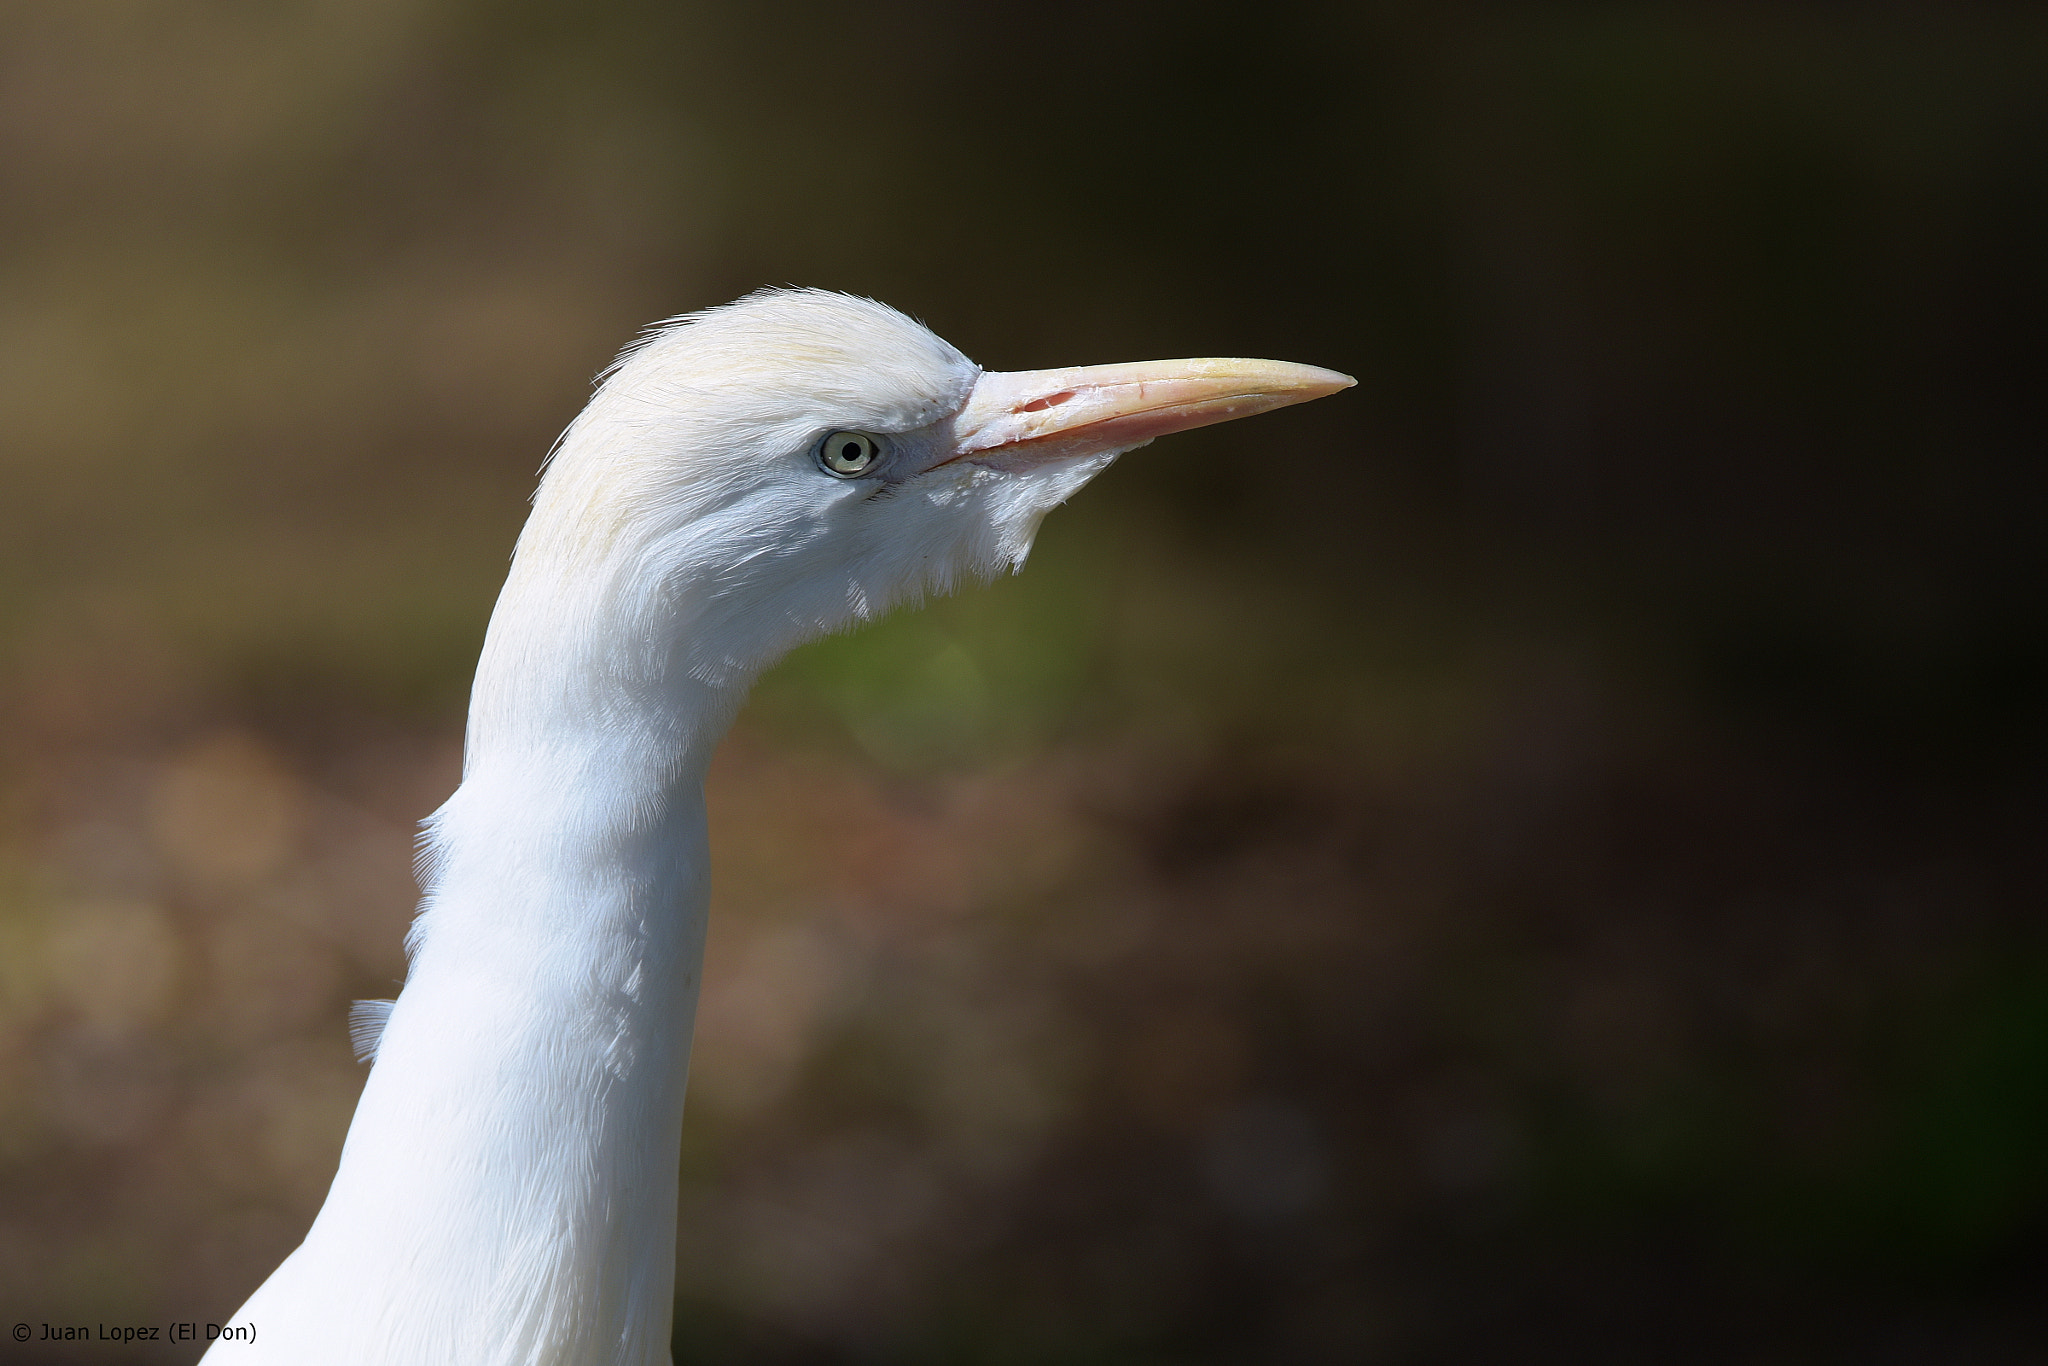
(1538, 857)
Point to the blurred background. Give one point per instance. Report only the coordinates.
(1539, 857)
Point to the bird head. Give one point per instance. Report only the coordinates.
(754, 475)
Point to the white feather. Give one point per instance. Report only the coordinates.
(366, 1021)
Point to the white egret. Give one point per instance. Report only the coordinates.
(743, 480)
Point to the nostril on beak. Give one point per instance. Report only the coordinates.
(1039, 405)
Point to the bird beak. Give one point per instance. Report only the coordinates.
(1027, 417)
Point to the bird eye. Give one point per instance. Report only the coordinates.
(848, 453)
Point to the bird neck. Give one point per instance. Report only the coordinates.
(510, 1175)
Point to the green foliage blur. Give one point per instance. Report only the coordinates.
(1538, 856)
